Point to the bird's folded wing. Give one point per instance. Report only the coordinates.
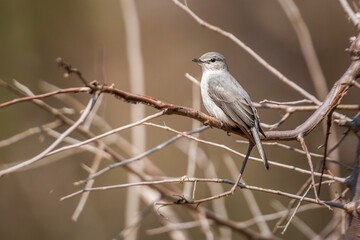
(233, 101)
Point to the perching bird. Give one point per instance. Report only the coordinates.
(228, 102)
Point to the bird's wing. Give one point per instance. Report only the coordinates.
(234, 101)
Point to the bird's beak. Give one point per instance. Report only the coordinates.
(197, 60)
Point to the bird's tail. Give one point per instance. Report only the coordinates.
(259, 145)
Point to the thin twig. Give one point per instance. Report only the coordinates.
(77, 144)
(295, 210)
(297, 222)
(29, 132)
(308, 156)
(192, 79)
(356, 84)
(330, 160)
(45, 95)
(205, 226)
(192, 150)
(250, 198)
(217, 180)
(209, 170)
(278, 214)
(342, 137)
(276, 125)
(348, 10)
(69, 70)
(140, 156)
(170, 227)
(56, 142)
(85, 196)
(291, 204)
(290, 108)
(124, 234)
(92, 114)
(327, 133)
(307, 47)
(72, 141)
(286, 103)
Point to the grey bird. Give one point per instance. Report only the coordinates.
(225, 99)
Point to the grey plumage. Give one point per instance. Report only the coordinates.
(226, 100)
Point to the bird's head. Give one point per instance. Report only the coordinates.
(211, 61)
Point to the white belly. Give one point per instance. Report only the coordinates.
(210, 106)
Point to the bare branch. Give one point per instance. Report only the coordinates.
(210, 171)
(279, 214)
(205, 226)
(295, 210)
(216, 180)
(348, 10)
(171, 227)
(328, 126)
(342, 137)
(250, 199)
(303, 108)
(29, 132)
(297, 222)
(192, 79)
(330, 160)
(69, 70)
(105, 134)
(55, 143)
(287, 103)
(355, 83)
(45, 95)
(276, 125)
(84, 197)
(307, 47)
(308, 156)
(141, 156)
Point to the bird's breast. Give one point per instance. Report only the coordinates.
(210, 105)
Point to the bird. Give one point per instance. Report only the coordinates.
(227, 101)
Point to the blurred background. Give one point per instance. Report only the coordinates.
(91, 36)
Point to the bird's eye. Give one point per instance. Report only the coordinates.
(212, 60)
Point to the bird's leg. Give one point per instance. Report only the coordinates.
(251, 145)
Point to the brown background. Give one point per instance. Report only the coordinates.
(90, 35)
